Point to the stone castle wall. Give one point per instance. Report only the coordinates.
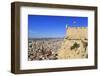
(75, 44)
(77, 33)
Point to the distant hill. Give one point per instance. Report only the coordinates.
(44, 38)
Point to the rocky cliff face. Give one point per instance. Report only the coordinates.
(75, 44)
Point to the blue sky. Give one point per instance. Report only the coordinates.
(43, 26)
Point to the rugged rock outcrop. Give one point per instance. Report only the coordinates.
(75, 44)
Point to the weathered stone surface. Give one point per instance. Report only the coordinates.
(75, 44)
(76, 33)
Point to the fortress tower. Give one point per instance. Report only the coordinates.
(76, 33)
(75, 43)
